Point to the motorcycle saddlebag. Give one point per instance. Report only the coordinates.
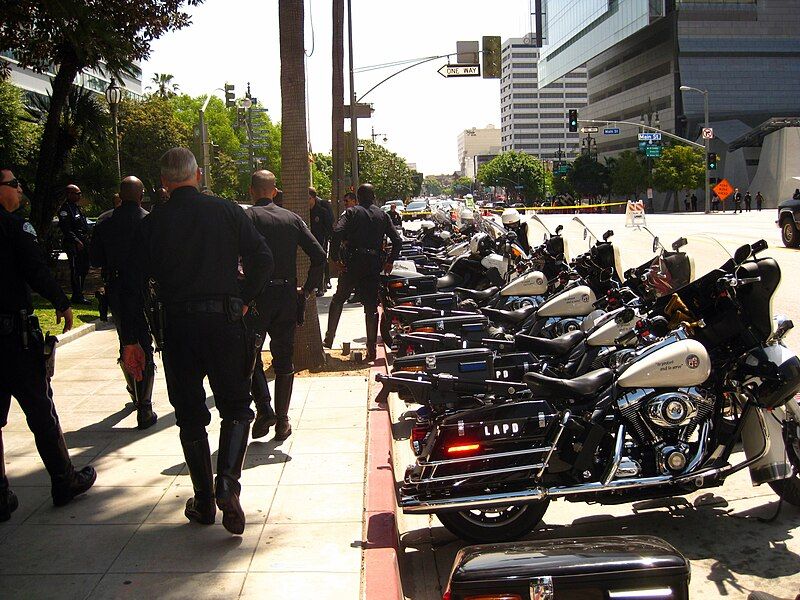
(595, 568)
(458, 324)
(439, 300)
(470, 364)
(397, 287)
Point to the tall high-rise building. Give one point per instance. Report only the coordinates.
(476, 142)
(533, 117)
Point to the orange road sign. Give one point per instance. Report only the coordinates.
(723, 189)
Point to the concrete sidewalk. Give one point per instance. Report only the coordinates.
(127, 537)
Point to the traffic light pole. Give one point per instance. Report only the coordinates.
(206, 180)
(708, 172)
(353, 118)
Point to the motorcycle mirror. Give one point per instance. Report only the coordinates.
(625, 316)
(607, 235)
(655, 244)
(679, 243)
(759, 246)
(742, 253)
(558, 229)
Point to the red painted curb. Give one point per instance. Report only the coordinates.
(381, 537)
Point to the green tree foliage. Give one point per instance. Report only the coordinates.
(417, 178)
(321, 173)
(387, 171)
(76, 34)
(431, 186)
(461, 186)
(588, 177)
(628, 174)
(19, 131)
(512, 169)
(679, 168)
(147, 130)
(165, 85)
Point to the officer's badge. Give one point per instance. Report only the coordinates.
(28, 228)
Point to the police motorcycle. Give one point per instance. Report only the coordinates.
(663, 422)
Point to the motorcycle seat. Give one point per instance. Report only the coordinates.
(552, 387)
(477, 295)
(560, 346)
(509, 317)
(450, 280)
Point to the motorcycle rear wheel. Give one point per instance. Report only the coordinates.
(497, 524)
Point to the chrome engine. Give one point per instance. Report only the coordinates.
(663, 423)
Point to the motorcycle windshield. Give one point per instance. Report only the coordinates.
(492, 227)
(704, 252)
(538, 233)
(637, 246)
(578, 238)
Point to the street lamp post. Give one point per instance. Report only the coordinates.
(114, 97)
(375, 136)
(706, 141)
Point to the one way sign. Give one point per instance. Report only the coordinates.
(460, 71)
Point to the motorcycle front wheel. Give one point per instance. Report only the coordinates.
(496, 524)
(789, 489)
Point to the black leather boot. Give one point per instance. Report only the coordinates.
(265, 417)
(130, 384)
(232, 447)
(66, 482)
(102, 304)
(8, 499)
(201, 508)
(145, 417)
(283, 398)
(371, 321)
(334, 314)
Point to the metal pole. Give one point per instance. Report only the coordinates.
(707, 142)
(353, 119)
(204, 144)
(116, 140)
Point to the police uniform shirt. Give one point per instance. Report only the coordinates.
(283, 231)
(364, 227)
(113, 236)
(321, 217)
(395, 217)
(73, 223)
(23, 265)
(191, 247)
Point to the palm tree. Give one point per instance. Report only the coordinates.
(337, 113)
(294, 160)
(164, 85)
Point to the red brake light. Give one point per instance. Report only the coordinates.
(461, 448)
(406, 304)
(396, 284)
(425, 330)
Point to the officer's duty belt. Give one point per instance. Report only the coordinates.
(367, 251)
(281, 282)
(200, 306)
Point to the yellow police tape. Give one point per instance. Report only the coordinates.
(526, 208)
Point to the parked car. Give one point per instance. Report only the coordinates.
(415, 206)
(789, 222)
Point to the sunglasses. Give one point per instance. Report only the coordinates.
(13, 183)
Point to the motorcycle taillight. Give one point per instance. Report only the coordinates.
(418, 435)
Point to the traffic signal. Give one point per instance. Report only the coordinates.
(491, 57)
(712, 161)
(230, 96)
(573, 120)
(215, 153)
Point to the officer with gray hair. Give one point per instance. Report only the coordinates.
(190, 248)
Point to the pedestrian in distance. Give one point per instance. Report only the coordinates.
(714, 202)
(362, 228)
(75, 232)
(796, 195)
(759, 201)
(111, 250)
(281, 304)
(190, 248)
(321, 223)
(737, 200)
(395, 217)
(748, 201)
(23, 369)
(694, 202)
(686, 202)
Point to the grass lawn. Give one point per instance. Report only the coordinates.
(47, 315)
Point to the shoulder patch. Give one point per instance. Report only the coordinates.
(63, 213)
(28, 228)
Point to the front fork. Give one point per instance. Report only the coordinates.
(776, 463)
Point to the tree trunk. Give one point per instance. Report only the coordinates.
(45, 201)
(337, 113)
(294, 162)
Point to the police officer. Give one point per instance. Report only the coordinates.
(512, 221)
(275, 310)
(110, 250)
(190, 246)
(362, 228)
(75, 231)
(394, 216)
(23, 265)
(321, 219)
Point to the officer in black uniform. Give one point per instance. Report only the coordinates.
(190, 246)
(321, 219)
(110, 250)
(362, 228)
(23, 372)
(75, 232)
(275, 310)
(394, 216)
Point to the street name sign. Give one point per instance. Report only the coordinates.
(708, 133)
(652, 151)
(460, 71)
(611, 131)
(723, 189)
(589, 130)
(649, 136)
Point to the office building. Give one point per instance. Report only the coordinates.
(475, 142)
(533, 116)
